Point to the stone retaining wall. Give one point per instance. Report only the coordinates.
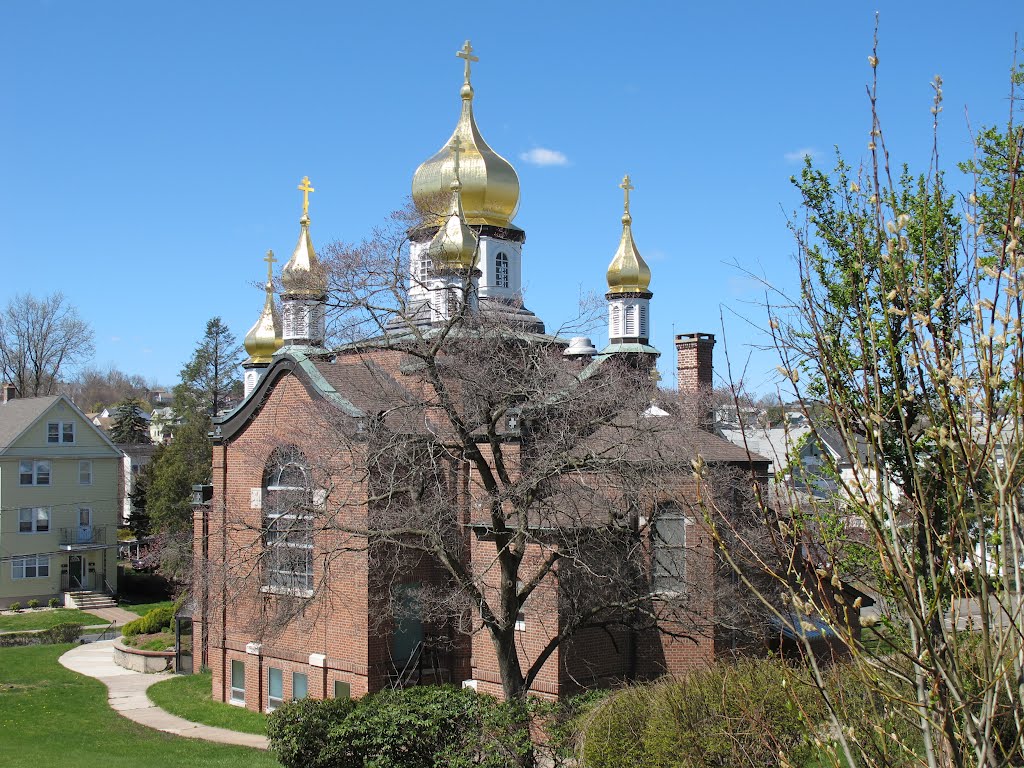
(142, 661)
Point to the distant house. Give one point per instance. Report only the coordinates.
(162, 424)
(59, 477)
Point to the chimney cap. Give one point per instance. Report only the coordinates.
(684, 338)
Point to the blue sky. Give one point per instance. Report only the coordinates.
(149, 152)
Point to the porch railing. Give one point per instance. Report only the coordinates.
(85, 535)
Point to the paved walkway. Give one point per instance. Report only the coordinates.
(118, 615)
(127, 696)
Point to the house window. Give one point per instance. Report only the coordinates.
(669, 564)
(34, 520)
(423, 265)
(60, 432)
(85, 472)
(300, 686)
(342, 690)
(275, 688)
(31, 567)
(238, 682)
(521, 613)
(501, 270)
(288, 523)
(34, 472)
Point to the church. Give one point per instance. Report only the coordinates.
(453, 495)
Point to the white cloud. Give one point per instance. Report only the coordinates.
(798, 155)
(544, 157)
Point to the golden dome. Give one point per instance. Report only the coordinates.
(628, 272)
(490, 186)
(454, 245)
(303, 275)
(265, 338)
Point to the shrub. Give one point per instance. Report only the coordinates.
(66, 632)
(299, 731)
(728, 714)
(16, 606)
(152, 622)
(53, 602)
(33, 603)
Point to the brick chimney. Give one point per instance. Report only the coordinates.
(8, 392)
(694, 369)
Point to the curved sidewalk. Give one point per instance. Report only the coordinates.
(127, 696)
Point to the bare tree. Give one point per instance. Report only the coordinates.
(40, 338)
(906, 345)
(92, 389)
(484, 475)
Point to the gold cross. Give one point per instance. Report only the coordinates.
(467, 54)
(269, 258)
(626, 186)
(305, 189)
(655, 375)
(456, 148)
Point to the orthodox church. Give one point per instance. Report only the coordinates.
(289, 606)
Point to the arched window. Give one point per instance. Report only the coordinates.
(288, 523)
(616, 329)
(501, 269)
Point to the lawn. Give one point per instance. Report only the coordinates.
(188, 696)
(52, 716)
(18, 622)
(143, 608)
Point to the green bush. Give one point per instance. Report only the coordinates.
(154, 621)
(53, 602)
(741, 713)
(16, 606)
(33, 603)
(299, 731)
(67, 632)
(419, 727)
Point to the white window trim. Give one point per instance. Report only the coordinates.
(235, 698)
(273, 702)
(81, 464)
(61, 427)
(36, 463)
(34, 520)
(38, 561)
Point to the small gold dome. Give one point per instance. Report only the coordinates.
(454, 245)
(490, 185)
(303, 275)
(265, 337)
(628, 272)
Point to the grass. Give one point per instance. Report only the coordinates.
(188, 696)
(50, 715)
(143, 608)
(18, 622)
(159, 641)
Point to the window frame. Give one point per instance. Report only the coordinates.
(296, 676)
(34, 473)
(39, 563)
(273, 702)
(287, 531)
(57, 432)
(34, 519)
(501, 269)
(237, 695)
(85, 463)
(663, 579)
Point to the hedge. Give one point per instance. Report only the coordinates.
(154, 621)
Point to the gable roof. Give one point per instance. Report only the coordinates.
(17, 416)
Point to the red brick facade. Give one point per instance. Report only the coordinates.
(335, 634)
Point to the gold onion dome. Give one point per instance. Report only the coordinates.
(454, 245)
(628, 272)
(265, 338)
(490, 186)
(303, 275)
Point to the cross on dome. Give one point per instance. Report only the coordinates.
(269, 258)
(456, 148)
(466, 53)
(626, 187)
(305, 189)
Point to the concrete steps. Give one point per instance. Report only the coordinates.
(85, 600)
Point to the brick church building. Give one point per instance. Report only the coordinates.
(458, 496)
